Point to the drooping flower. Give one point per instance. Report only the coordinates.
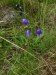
(20, 7)
(38, 31)
(28, 33)
(17, 6)
(25, 21)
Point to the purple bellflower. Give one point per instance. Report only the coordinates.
(38, 31)
(28, 33)
(25, 21)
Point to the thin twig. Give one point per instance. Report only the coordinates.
(18, 47)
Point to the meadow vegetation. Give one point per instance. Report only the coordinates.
(27, 55)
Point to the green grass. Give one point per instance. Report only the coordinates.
(21, 55)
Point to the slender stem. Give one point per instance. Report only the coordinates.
(2, 21)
